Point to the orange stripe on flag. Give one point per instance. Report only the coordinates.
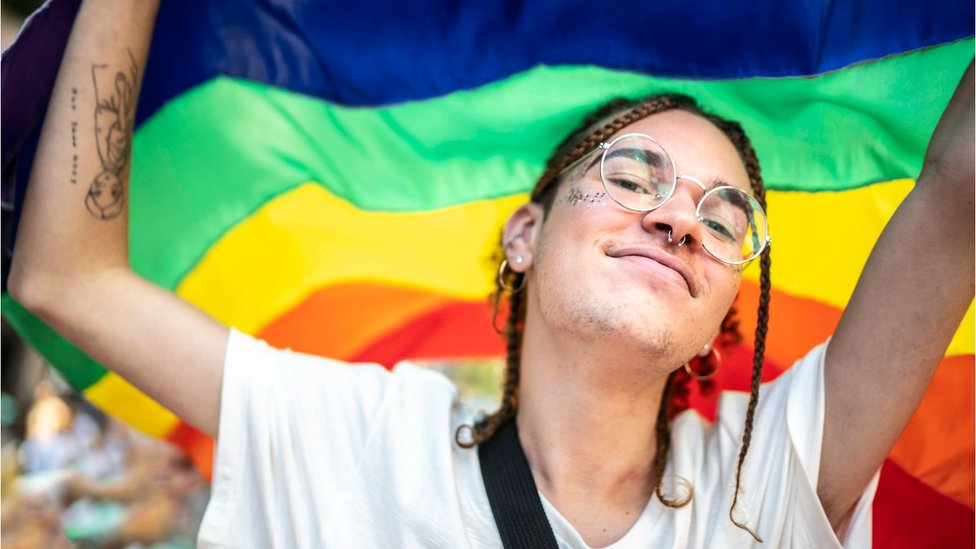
(339, 321)
(379, 323)
(796, 325)
(937, 447)
(459, 329)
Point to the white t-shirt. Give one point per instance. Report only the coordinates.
(314, 452)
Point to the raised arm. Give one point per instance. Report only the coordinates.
(907, 305)
(70, 265)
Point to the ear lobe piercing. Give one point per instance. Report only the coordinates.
(706, 349)
(519, 259)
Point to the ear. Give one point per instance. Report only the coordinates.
(521, 235)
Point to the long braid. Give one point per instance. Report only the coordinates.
(486, 427)
(741, 142)
(757, 364)
(662, 431)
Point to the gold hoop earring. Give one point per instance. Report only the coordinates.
(710, 375)
(501, 278)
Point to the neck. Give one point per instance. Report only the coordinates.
(586, 421)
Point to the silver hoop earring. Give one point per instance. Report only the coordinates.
(682, 242)
(501, 278)
(716, 365)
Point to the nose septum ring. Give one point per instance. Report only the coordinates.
(681, 242)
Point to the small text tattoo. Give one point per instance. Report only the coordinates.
(74, 150)
(115, 110)
(74, 137)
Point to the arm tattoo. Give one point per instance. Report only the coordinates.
(115, 109)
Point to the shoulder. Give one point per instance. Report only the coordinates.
(291, 383)
(255, 362)
(795, 397)
(790, 408)
(777, 495)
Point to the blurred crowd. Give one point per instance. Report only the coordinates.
(73, 477)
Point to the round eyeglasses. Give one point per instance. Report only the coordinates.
(639, 175)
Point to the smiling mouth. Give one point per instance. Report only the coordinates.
(659, 264)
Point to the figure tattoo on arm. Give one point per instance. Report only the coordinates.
(115, 110)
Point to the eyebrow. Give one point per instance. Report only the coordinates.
(646, 153)
(596, 159)
(715, 182)
(718, 182)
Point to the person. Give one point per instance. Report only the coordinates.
(52, 443)
(619, 271)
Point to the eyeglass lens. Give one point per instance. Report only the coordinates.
(639, 175)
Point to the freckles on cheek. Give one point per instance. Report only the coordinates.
(576, 197)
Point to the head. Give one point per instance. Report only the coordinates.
(575, 243)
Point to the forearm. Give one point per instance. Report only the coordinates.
(74, 222)
(912, 294)
(70, 264)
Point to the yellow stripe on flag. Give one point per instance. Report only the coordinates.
(117, 397)
(308, 238)
(822, 240)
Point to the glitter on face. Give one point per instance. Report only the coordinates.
(576, 197)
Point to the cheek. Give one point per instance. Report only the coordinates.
(724, 293)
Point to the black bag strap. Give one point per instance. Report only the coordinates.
(512, 493)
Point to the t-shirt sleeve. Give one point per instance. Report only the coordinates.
(780, 474)
(285, 417)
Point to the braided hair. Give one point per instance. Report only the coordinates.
(674, 398)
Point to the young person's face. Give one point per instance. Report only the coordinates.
(599, 271)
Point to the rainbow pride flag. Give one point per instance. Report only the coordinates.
(333, 178)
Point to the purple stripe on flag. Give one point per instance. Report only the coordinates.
(26, 81)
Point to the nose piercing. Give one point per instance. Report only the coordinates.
(680, 242)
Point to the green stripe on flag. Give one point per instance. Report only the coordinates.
(79, 370)
(215, 154)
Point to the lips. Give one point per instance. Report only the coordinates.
(662, 258)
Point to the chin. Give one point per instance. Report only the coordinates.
(622, 328)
